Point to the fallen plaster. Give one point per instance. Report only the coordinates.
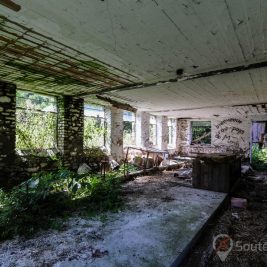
(158, 221)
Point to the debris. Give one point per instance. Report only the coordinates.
(183, 173)
(114, 165)
(238, 203)
(84, 169)
(166, 163)
(246, 170)
(98, 254)
(235, 215)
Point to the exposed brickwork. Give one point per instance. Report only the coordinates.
(70, 129)
(7, 130)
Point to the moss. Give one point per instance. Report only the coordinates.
(93, 65)
(30, 70)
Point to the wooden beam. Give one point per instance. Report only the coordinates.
(11, 5)
(117, 104)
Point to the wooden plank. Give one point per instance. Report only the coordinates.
(11, 5)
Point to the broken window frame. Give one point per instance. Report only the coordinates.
(206, 135)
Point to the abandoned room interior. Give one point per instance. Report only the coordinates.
(133, 133)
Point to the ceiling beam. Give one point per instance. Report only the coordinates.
(254, 104)
(117, 104)
(239, 68)
(11, 5)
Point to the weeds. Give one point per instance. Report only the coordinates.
(259, 158)
(38, 202)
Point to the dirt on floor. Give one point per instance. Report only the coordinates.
(158, 220)
(246, 226)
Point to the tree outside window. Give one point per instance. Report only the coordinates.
(201, 132)
(36, 121)
(128, 128)
(94, 126)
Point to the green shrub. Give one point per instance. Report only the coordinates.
(36, 203)
(259, 158)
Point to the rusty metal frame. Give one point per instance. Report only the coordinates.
(37, 62)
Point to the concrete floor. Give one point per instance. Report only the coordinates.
(158, 221)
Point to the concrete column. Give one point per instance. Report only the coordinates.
(175, 134)
(142, 129)
(7, 130)
(70, 129)
(162, 132)
(114, 140)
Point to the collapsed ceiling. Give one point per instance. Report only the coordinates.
(131, 51)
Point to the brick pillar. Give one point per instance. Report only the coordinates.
(142, 129)
(183, 136)
(70, 129)
(162, 132)
(114, 140)
(7, 130)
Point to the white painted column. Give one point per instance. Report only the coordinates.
(114, 137)
(162, 132)
(142, 129)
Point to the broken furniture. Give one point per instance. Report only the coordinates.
(216, 172)
(147, 152)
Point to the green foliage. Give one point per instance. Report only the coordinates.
(128, 137)
(94, 132)
(259, 158)
(36, 121)
(128, 169)
(36, 203)
(35, 130)
(94, 157)
(201, 132)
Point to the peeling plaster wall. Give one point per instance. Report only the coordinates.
(227, 134)
(162, 132)
(114, 119)
(142, 129)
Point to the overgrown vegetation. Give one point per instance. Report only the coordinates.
(259, 158)
(128, 133)
(94, 132)
(36, 121)
(40, 201)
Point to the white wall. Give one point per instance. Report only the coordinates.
(227, 134)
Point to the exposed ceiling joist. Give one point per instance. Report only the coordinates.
(117, 104)
(185, 77)
(11, 5)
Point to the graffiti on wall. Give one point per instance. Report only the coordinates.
(231, 133)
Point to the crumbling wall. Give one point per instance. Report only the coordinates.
(7, 130)
(227, 135)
